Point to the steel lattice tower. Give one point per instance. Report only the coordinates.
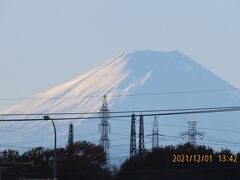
(70, 134)
(141, 136)
(104, 129)
(155, 134)
(133, 145)
(192, 133)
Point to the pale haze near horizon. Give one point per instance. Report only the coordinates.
(44, 43)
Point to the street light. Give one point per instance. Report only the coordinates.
(47, 117)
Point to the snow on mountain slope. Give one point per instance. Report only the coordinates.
(66, 96)
(137, 74)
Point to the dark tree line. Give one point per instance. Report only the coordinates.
(81, 160)
(84, 160)
(159, 165)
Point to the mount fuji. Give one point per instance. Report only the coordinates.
(132, 81)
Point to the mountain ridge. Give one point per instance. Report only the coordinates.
(132, 72)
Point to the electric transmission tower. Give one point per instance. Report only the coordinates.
(104, 129)
(141, 148)
(70, 134)
(155, 134)
(192, 134)
(133, 145)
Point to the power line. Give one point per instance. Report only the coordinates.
(210, 129)
(122, 112)
(124, 135)
(14, 146)
(210, 143)
(215, 110)
(121, 95)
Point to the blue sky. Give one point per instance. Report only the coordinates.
(44, 43)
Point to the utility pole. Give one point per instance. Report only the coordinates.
(192, 134)
(133, 145)
(70, 134)
(155, 134)
(141, 148)
(104, 129)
